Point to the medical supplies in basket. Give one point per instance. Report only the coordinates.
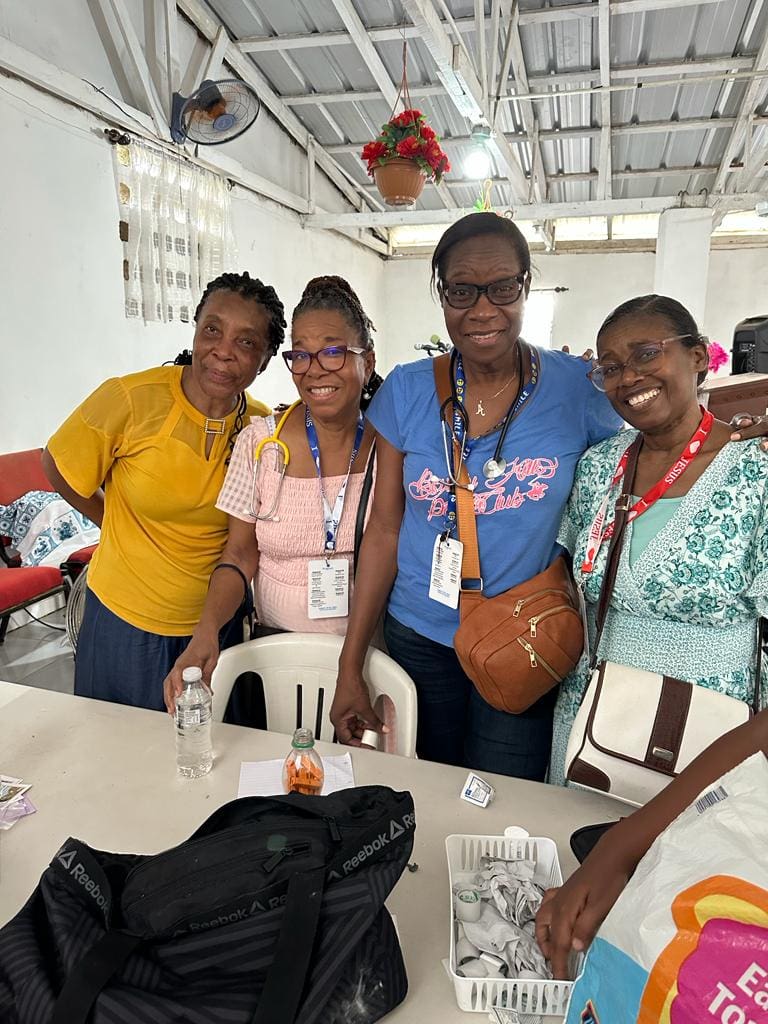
(496, 887)
(687, 941)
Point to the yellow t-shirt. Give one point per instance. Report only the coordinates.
(162, 534)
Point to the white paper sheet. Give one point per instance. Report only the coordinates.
(265, 778)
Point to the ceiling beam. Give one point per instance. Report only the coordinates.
(208, 26)
(530, 211)
(164, 44)
(515, 59)
(604, 49)
(462, 84)
(566, 134)
(746, 112)
(734, 68)
(392, 33)
(134, 63)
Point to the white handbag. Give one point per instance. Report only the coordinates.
(636, 730)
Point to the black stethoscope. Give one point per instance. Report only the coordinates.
(496, 466)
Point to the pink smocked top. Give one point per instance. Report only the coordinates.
(288, 542)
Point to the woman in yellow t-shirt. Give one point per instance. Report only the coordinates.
(145, 456)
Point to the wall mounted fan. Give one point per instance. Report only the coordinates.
(216, 112)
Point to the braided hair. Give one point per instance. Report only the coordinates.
(337, 295)
(248, 287)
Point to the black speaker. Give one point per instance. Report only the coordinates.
(750, 346)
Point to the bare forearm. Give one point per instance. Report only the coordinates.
(629, 840)
(376, 573)
(225, 593)
(91, 506)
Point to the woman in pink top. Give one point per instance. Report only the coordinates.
(296, 539)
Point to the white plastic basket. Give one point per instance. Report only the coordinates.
(535, 1000)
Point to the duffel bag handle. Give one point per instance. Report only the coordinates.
(89, 977)
(281, 996)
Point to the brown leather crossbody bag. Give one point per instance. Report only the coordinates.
(518, 645)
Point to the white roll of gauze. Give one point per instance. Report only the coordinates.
(466, 951)
(370, 738)
(468, 905)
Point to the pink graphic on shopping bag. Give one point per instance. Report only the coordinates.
(726, 977)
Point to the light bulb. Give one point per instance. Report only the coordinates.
(477, 164)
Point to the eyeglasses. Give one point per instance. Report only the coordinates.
(644, 359)
(500, 293)
(331, 358)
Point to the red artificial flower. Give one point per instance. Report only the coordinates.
(409, 147)
(373, 150)
(407, 117)
(427, 133)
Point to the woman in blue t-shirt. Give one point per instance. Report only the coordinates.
(482, 269)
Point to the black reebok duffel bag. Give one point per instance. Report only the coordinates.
(271, 913)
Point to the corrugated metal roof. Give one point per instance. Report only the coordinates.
(644, 163)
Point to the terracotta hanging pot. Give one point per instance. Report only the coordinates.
(400, 182)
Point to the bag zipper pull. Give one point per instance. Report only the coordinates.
(333, 828)
(531, 652)
(280, 855)
(518, 606)
(533, 622)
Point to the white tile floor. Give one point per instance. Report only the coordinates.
(37, 655)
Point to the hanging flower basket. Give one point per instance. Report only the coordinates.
(399, 181)
(404, 156)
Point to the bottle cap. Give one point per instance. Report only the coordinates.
(193, 674)
(302, 739)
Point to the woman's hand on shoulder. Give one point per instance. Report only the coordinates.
(351, 711)
(587, 355)
(746, 426)
(202, 652)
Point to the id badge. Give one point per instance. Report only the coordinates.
(445, 578)
(328, 588)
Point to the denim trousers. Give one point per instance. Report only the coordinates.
(456, 726)
(117, 662)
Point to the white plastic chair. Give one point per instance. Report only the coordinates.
(299, 671)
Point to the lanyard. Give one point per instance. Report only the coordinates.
(460, 423)
(596, 532)
(332, 517)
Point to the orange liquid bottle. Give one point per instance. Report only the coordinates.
(303, 770)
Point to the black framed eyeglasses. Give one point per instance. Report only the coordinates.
(500, 293)
(645, 358)
(331, 358)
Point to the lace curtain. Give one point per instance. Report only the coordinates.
(176, 229)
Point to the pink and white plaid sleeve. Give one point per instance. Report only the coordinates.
(239, 497)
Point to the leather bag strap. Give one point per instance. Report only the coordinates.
(614, 548)
(465, 501)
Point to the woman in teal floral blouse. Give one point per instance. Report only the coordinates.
(693, 574)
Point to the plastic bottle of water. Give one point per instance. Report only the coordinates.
(303, 770)
(194, 753)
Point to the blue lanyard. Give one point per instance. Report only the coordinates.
(332, 516)
(459, 425)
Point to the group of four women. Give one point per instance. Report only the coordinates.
(195, 502)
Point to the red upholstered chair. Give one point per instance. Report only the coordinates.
(22, 586)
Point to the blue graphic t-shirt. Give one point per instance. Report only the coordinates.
(517, 515)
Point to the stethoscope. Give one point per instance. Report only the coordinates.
(284, 453)
(496, 466)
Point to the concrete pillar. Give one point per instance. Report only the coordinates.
(682, 258)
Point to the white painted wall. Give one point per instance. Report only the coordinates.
(597, 283)
(63, 328)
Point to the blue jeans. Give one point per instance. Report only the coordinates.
(456, 726)
(120, 663)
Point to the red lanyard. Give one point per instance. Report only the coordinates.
(596, 532)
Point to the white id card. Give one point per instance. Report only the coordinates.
(445, 578)
(328, 588)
